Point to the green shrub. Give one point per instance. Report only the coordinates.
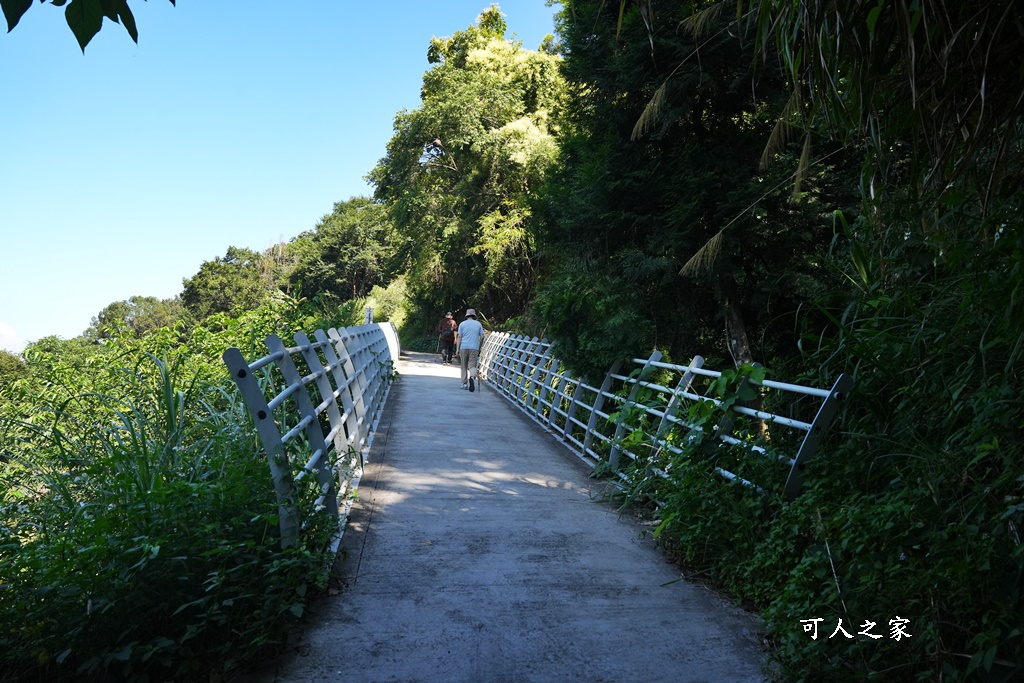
(138, 524)
(913, 508)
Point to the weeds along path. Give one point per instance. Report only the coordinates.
(478, 550)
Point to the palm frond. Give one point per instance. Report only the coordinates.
(801, 169)
(703, 262)
(701, 22)
(782, 132)
(651, 114)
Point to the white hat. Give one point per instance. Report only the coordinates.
(470, 312)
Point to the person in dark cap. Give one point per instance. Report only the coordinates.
(469, 338)
(446, 333)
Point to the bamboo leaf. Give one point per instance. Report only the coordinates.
(872, 20)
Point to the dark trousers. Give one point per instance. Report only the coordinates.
(447, 349)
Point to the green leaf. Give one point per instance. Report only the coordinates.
(873, 19)
(85, 18)
(110, 8)
(990, 657)
(119, 12)
(664, 524)
(125, 653)
(953, 196)
(13, 9)
(128, 19)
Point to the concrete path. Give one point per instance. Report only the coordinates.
(478, 552)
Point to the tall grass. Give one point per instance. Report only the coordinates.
(138, 529)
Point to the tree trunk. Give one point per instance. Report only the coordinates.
(736, 333)
(739, 349)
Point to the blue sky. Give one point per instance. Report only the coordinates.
(231, 123)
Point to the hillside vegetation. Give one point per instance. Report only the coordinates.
(821, 188)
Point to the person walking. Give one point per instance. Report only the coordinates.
(469, 338)
(446, 330)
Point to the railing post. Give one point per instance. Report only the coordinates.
(645, 372)
(673, 405)
(343, 379)
(524, 363)
(323, 384)
(545, 364)
(329, 397)
(307, 414)
(510, 351)
(341, 343)
(492, 342)
(826, 413)
(270, 437)
(597, 405)
(574, 402)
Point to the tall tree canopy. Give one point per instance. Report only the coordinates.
(138, 314)
(666, 226)
(239, 281)
(346, 254)
(461, 169)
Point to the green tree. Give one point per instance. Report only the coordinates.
(12, 367)
(462, 170)
(60, 361)
(664, 226)
(84, 17)
(346, 255)
(921, 497)
(240, 281)
(139, 314)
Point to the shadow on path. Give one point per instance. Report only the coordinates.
(476, 552)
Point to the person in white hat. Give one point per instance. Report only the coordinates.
(468, 339)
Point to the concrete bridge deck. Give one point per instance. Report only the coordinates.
(479, 551)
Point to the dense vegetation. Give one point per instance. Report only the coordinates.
(138, 525)
(461, 170)
(820, 187)
(840, 181)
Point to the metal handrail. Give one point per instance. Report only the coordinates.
(528, 374)
(349, 372)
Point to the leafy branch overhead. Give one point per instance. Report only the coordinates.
(84, 17)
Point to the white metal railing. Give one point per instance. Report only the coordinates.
(785, 425)
(330, 429)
